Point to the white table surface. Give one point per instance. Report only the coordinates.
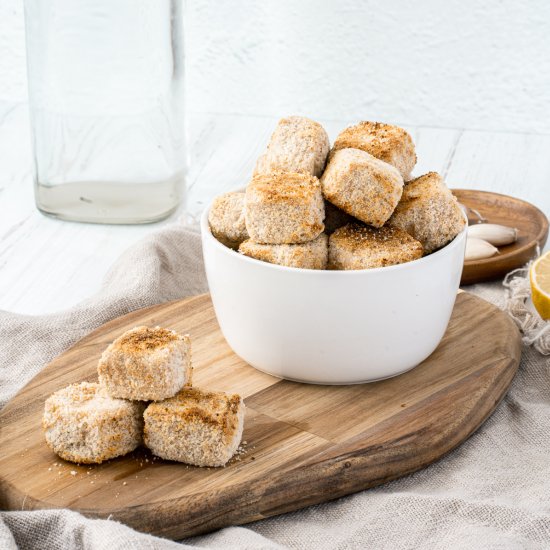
(47, 265)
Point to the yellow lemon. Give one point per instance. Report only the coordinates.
(540, 285)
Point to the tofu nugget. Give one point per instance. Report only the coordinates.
(429, 212)
(226, 219)
(357, 246)
(310, 255)
(198, 427)
(298, 144)
(361, 185)
(389, 143)
(146, 364)
(83, 424)
(284, 208)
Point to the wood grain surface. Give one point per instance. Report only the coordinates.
(532, 225)
(305, 444)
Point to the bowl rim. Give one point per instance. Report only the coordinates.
(206, 233)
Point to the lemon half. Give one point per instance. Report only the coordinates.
(540, 285)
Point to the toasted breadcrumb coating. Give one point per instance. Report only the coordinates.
(310, 255)
(357, 246)
(226, 219)
(198, 427)
(362, 186)
(298, 144)
(83, 424)
(284, 208)
(429, 212)
(146, 364)
(391, 144)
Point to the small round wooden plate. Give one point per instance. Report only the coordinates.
(531, 223)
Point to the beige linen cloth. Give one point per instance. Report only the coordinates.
(492, 492)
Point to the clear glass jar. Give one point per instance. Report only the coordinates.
(107, 108)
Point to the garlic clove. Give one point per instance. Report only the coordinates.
(478, 249)
(497, 235)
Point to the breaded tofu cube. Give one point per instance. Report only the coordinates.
(310, 255)
(83, 424)
(389, 143)
(298, 144)
(429, 212)
(357, 246)
(284, 208)
(335, 218)
(198, 427)
(146, 364)
(226, 219)
(362, 186)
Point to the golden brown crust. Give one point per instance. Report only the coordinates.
(284, 208)
(144, 338)
(82, 424)
(209, 407)
(362, 186)
(146, 363)
(195, 426)
(386, 142)
(310, 255)
(298, 144)
(423, 186)
(285, 187)
(358, 246)
(226, 219)
(429, 212)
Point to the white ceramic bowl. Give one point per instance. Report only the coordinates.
(332, 327)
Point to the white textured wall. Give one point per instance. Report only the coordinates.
(12, 51)
(453, 63)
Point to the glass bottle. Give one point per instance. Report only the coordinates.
(106, 105)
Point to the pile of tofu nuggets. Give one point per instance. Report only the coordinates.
(145, 395)
(352, 206)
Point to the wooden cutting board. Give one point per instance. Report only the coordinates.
(305, 444)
